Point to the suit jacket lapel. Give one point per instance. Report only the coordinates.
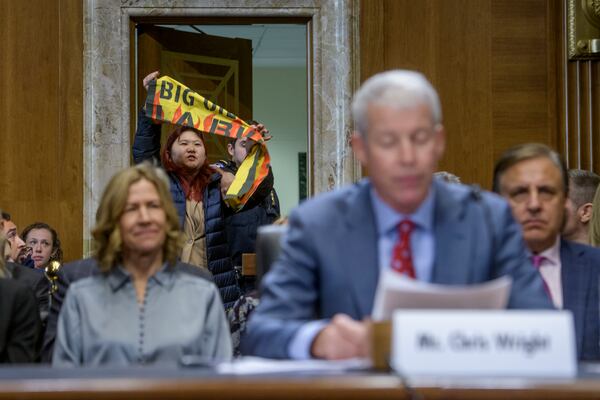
(575, 277)
(452, 238)
(358, 250)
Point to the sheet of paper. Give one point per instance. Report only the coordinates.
(397, 291)
(257, 365)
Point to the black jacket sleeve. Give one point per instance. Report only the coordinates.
(146, 143)
(58, 297)
(67, 274)
(34, 279)
(24, 328)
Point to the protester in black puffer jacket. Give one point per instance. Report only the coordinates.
(202, 188)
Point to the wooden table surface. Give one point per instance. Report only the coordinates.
(364, 386)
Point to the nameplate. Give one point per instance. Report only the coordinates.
(483, 343)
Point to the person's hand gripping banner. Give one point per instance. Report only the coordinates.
(173, 102)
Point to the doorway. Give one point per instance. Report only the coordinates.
(258, 71)
(109, 63)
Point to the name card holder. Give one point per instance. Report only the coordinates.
(483, 343)
(249, 264)
(381, 345)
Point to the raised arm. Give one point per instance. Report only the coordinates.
(146, 143)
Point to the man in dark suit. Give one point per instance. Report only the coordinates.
(36, 281)
(31, 278)
(75, 271)
(323, 285)
(20, 325)
(533, 178)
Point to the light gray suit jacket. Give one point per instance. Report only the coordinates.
(329, 261)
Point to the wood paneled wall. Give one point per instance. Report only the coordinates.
(499, 66)
(41, 81)
(579, 93)
(494, 63)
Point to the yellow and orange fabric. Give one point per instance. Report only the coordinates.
(171, 101)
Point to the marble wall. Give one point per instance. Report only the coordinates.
(333, 51)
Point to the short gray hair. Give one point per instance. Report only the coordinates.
(397, 88)
(447, 176)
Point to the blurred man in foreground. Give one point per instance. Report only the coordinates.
(321, 289)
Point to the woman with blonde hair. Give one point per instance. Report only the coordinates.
(143, 308)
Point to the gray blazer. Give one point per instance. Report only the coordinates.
(80, 269)
(329, 260)
(101, 322)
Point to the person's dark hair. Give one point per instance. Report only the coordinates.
(583, 186)
(525, 152)
(232, 141)
(195, 188)
(57, 253)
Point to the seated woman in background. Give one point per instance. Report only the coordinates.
(142, 308)
(20, 326)
(196, 189)
(44, 243)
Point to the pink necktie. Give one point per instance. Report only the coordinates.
(401, 256)
(537, 261)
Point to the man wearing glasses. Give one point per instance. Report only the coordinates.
(534, 180)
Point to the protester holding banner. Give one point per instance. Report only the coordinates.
(194, 185)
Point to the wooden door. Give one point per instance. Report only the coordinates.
(218, 68)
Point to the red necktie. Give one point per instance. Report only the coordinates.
(401, 256)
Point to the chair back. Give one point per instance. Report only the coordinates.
(268, 246)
